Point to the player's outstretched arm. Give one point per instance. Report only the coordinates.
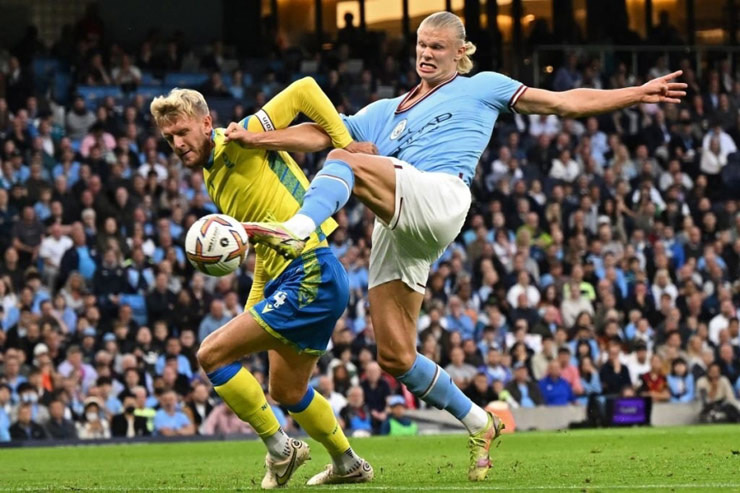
(578, 103)
(302, 96)
(306, 137)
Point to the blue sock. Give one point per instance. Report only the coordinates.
(304, 402)
(430, 383)
(328, 192)
(222, 375)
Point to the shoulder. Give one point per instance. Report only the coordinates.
(378, 106)
(488, 77)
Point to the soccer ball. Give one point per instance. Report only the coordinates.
(216, 244)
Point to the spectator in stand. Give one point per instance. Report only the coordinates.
(680, 382)
(458, 320)
(715, 391)
(168, 421)
(614, 374)
(93, 426)
(79, 120)
(568, 371)
(336, 400)
(375, 393)
(654, 383)
(58, 426)
(223, 421)
(524, 391)
(398, 424)
(26, 428)
(638, 362)
(216, 318)
(27, 236)
(5, 408)
(556, 391)
(480, 391)
(199, 406)
(461, 372)
(355, 418)
(126, 423)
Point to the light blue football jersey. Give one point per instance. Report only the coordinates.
(445, 131)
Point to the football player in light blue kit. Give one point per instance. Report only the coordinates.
(429, 143)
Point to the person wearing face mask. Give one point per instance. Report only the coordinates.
(92, 427)
(127, 424)
(27, 393)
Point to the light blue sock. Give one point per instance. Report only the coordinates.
(329, 191)
(430, 383)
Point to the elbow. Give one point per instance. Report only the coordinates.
(306, 83)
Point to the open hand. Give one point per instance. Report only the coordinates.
(664, 89)
(362, 148)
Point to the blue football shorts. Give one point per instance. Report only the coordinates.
(302, 305)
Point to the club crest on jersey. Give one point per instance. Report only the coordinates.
(399, 129)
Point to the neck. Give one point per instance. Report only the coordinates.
(427, 85)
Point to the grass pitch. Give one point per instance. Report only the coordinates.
(698, 458)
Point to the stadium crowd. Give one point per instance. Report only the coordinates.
(600, 258)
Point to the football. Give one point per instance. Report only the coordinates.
(216, 244)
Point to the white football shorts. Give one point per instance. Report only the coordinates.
(431, 208)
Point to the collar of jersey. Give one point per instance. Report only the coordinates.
(213, 151)
(413, 91)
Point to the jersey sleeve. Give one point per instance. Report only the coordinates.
(257, 292)
(498, 90)
(302, 96)
(362, 124)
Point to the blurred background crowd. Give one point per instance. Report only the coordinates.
(601, 257)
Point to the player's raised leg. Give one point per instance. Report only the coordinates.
(244, 395)
(371, 178)
(394, 310)
(289, 376)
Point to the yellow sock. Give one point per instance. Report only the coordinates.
(245, 397)
(319, 421)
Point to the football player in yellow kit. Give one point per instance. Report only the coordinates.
(293, 304)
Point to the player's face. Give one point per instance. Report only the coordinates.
(437, 53)
(190, 138)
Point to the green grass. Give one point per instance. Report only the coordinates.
(699, 458)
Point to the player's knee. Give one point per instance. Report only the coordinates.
(208, 356)
(340, 155)
(286, 395)
(394, 362)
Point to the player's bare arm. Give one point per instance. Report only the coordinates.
(305, 137)
(578, 103)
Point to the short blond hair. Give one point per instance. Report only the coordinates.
(448, 20)
(178, 103)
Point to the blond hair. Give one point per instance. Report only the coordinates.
(178, 103)
(448, 20)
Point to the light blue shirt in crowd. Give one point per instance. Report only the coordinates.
(87, 264)
(525, 401)
(183, 365)
(4, 427)
(175, 422)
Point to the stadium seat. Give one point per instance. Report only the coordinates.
(92, 94)
(185, 79)
(150, 91)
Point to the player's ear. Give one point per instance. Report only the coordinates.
(207, 124)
